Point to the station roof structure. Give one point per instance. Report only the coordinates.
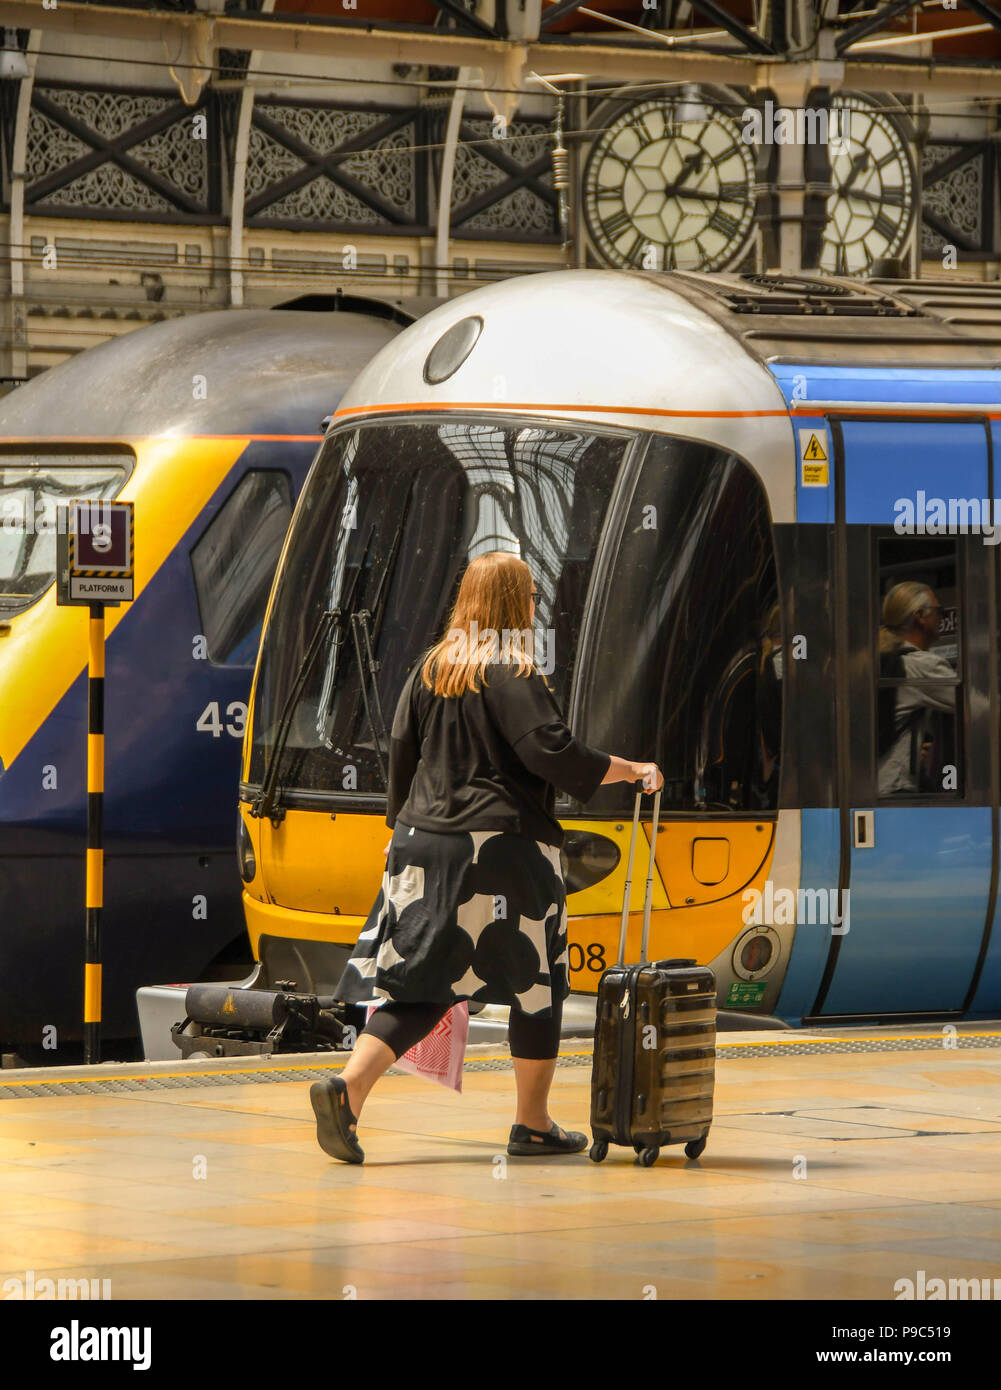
(891, 45)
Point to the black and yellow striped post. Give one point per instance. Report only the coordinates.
(95, 567)
(95, 846)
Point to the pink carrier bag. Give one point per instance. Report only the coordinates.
(441, 1054)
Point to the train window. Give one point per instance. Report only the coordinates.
(234, 563)
(31, 488)
(687, 663)
(390, 517)
(918, 668)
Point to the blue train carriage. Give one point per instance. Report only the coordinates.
(704, 473)
(208, 424)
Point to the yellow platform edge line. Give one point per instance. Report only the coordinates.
(501, 1057)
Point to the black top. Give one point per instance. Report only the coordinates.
(486, 760)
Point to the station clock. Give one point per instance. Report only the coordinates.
(669, 184)
(871, 205)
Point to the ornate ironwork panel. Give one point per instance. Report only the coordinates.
(312, 165)
(111, 153)
(503, 189)
(957, 206)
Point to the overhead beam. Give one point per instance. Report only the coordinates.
(618, 62)
(987, 12)
(364, 43)
(465, 19)
(873, 23)
(559, 11)
(716, 14)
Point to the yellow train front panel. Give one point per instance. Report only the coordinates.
(319, 876)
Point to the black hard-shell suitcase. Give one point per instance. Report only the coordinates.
(654, 1042)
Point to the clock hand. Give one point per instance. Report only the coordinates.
(858, 164)
(692, 163)
(678, 190)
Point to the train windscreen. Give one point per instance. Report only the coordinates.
(31, 488)
(390, 517)
(686, 666)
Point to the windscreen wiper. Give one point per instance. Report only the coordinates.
(369, 667)
(266, 802)
(323, 710)
(362, 625)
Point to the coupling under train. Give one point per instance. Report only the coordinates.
(705, 474)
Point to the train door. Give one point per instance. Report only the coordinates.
(917, 717)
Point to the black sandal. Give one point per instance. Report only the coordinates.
(333, 1116)
(525, 1142)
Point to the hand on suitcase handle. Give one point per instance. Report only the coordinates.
(623, 770)
(650, 775)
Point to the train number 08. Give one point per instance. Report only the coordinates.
(210, 719)
(594, 960)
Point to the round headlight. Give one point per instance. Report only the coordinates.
(452, 349)
(756, 953)
(587, 859)
(244, 851)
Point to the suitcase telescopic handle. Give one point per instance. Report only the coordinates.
(648, 899)
(651, 863)
(623, 926)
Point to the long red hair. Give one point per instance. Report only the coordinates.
(491, 621)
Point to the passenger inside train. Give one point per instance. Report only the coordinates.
(917, 710)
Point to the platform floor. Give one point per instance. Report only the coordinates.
(831, 1173)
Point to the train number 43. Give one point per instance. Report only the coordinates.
(210, 720)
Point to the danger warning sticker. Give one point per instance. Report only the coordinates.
(813, 458)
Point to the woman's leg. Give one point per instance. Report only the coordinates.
(534, 1044)
(392, 1030)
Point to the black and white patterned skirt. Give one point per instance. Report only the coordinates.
(477, 915)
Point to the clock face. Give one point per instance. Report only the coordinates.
(663, 191)
(870, 209)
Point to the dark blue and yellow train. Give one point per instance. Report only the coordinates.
(208, 424)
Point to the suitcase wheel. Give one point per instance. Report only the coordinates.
(694, 1149)
(648, 1157)
(599, 1151)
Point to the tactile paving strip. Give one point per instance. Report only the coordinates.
(167, 1081)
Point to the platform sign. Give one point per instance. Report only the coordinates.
(95, 558)
(95, 553)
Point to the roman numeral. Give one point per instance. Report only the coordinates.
(643, 130)
(616, 225)
(733, 192)
(885, 227)
(636, 250)
(723, 223)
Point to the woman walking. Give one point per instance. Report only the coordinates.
(472, 904)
